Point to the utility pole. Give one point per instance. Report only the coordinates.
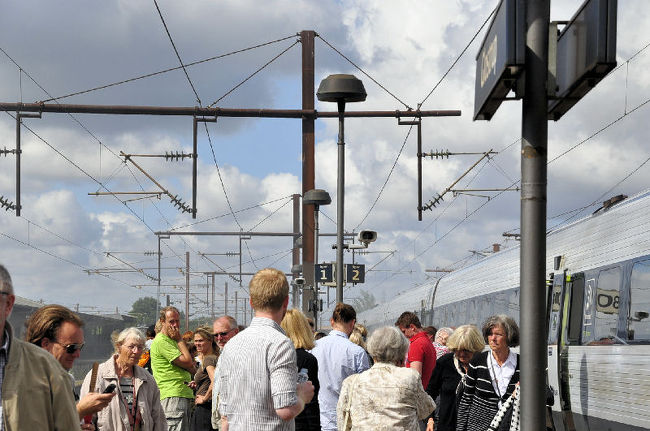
(187, 291)
(308, 168)
(213, 279)
(225, 299)
(534, 143)
(236, 305)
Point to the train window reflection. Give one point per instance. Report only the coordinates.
(607, 304)
(638, 320)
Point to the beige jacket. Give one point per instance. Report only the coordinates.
(114, 417)
(385, 397)
(36, 390)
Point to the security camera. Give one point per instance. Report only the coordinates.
(367, 236)
(300, 281)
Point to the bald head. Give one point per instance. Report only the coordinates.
(225, 327)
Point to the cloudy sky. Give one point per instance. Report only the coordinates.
(252, 166)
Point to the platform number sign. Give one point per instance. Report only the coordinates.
(324, 272)
(355, 273)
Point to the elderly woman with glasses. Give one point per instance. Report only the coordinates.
(137, 403)
(387, 396)
(448, 378)
(492, 375)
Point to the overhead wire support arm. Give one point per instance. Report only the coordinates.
(442, 154)
(436, 200)
(174, 198)
(416, 122)
(18, 152)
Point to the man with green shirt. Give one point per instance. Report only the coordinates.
(172, 364)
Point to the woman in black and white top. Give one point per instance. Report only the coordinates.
(465, 342)
(491, 377)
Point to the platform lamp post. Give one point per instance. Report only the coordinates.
(340, 88)
(316, 197)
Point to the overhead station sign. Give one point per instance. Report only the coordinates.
(586, 53)
(500, 60)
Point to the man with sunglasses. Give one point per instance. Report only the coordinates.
(36, 393)
(58, 330)
(225, 327)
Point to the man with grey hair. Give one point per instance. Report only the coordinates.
(225, 327)
(35, 389)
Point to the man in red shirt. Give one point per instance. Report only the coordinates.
(421, 355)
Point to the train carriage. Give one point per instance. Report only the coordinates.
(598, 313)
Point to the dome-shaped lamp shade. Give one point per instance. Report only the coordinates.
(341, 88)
(317, 197)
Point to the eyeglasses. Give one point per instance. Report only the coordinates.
(71, 348)
(222, 334)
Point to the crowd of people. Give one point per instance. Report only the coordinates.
(276, 374)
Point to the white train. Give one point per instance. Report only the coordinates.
(598, 313)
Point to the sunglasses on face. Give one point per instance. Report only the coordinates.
(222, 334)
(71, 348)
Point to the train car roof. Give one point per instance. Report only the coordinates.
(614, 234)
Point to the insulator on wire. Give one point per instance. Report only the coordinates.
(7, 204)
(175, 156)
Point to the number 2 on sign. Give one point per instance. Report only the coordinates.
(355, 275)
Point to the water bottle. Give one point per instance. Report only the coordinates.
(302, 375)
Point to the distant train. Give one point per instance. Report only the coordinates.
(97, 333)
(597, 313)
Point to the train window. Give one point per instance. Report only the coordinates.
(513, 304)
(575, 312)
(607, 304)
(638, 320)
(501, 303)
(462, 313)
(472, 312)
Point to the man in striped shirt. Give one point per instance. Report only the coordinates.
(258, 387)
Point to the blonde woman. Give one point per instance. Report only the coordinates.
(207, 351)
(297, 328)
(358, 337)
(451, 368)
(137, 403)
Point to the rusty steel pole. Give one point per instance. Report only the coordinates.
(295, 251)
(308, 167)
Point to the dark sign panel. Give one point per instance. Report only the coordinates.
(324, 272)
(586, 53)
(500, 60)
(355, 273)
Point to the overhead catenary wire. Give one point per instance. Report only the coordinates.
(364, 72)
(457, 58)
(171, 69)
(171, 40)
(253, 74)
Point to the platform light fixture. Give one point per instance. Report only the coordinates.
(340, 88)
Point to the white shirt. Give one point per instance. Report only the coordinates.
(501, 374)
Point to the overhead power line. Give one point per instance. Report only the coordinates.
(171, 69)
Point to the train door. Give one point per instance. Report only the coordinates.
(565, 330)
(554, 320)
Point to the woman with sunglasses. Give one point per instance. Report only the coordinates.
(137, 403)
(447, 380)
